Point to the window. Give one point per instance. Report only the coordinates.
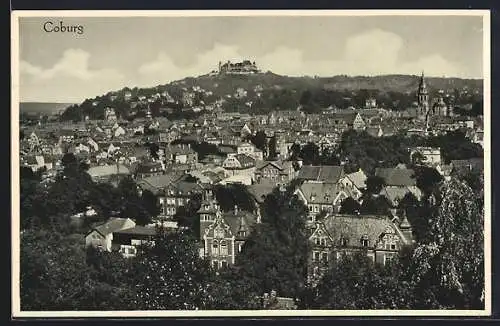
(310, 208)
(316, 208)
(324, 257)
(223, 264)
(242, 234)
(240, 246)
(223, 247)
(215, 263)
(343, 242)
(322, 242)
(364, 242)
(215, 247)
(387, 258)
(315, 256)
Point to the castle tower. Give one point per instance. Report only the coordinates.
(423, 97)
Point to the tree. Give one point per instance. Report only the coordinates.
(55, 279)
(418, 158)
(274, 257)
(449, 265)
(273, 152)
(187, 215)
(234, 194)
(427, 179)
(375, 204)
(260, 140)
(350, 206)
(150, 203)
(310, 153)
(374, 184)
(170, 274)
(355, 282)
(295, 151)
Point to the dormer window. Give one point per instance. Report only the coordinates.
(242, 234)
(343, 242)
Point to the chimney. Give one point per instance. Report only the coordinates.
(235, 209)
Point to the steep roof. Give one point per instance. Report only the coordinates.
(325, 173)
(358, 178)
(354, 228)
(138, 230)
(157, 182)
(397, 176)
(245, 160)
(242, 220)
(322, 193)
(114, 224)
(107, 170)
(184, 187)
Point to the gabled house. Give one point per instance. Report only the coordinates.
(222, 235)
(101, 236)
(274, 172)
(128, 241)
(379, 236)
(177, 194)
(250, 150)
(397, 183)
(236, 164)
(182, 154)
(322, 197)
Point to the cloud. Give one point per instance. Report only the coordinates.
(372, 52)
(70, 78)
(163, 69)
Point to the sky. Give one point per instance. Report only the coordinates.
(112, 53)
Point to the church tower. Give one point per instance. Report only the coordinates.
(423, 96)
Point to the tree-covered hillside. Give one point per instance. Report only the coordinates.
(264, 92)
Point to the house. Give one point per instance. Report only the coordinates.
(182, 154)
(322, 197)
(358, 180)
(397, 183)
(156, 184)
(428, 155)
(177, 194)
(274, 172)
(149, 169)
(464, 166)
(105, 173)
(347, 120)
(101, 236)
(379, 236)
(250, 149)
(222, 235)
(128, 241)
(239, 164)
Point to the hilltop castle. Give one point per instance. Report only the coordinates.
(245, 67)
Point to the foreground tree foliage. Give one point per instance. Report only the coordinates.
(451, 260)
(274, 257)
(355, 282)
